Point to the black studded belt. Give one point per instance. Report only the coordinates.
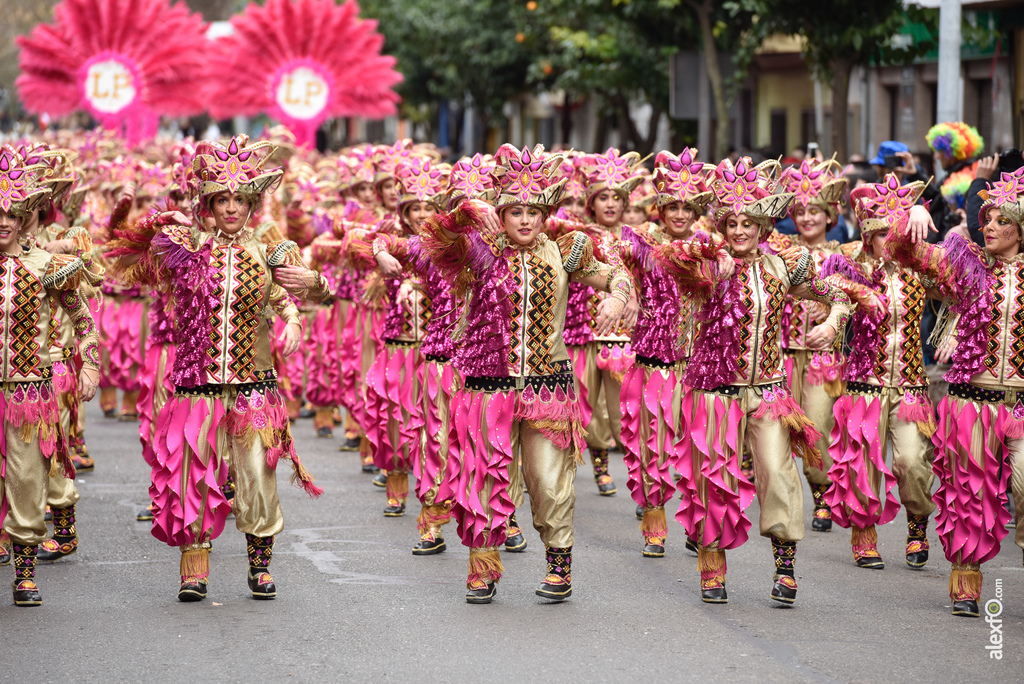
(985, 396)
(563, 377)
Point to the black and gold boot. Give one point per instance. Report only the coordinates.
(917, 540)
(195, 572)
(5, 548)
(515, 542)
(557, 585)
(864, 542)
(711, 563)
(605, 483)
(784, 582)
(146, 514)
(398, 491)
(822, 520)
(965, 589)
(429, 523)
(65, 538)
(380, 479)
(261, 550)
(26, 592)
(654, 528)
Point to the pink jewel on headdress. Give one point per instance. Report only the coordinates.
(1008, 188)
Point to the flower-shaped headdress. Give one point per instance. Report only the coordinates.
(363, 170)
(238, 167)
(22, 189)
(421, 181)
(305, 185)
(681, 179)
(879, 206)
(386, 159)
(1006, 194)
(575, 179)
(59, 174)
(954, 141)
(821, 184)
(612, 171)
(527, 177)
(153, 180)
(751, 190)
(470, 179)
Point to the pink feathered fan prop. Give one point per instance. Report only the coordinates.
(126, 62)
(302, 61)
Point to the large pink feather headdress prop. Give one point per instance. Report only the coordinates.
(302, 61)
(126, 62)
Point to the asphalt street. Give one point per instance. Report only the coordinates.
(354, 604)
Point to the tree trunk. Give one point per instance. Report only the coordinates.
(707, 38)
(600, 133)
(840, 103)
(566, 121)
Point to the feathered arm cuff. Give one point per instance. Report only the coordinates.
(693, 264)
(468, 249)
(131, 253)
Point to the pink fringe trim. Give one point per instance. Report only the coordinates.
(125, 342)
(148, 409)
(482, 423)
(855, 444)
(704, 471)
(442, 380)
(646, 402)
(825, 367)
(290, 369)
(395, 420)
(324, 387)
(615, 358)
(177, 507)
(971, 498)
(556, 414)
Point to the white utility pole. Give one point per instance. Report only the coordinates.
(950, 102)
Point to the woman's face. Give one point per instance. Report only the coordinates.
(522, 223)
(575, 205)
(230, 212)
(678, 219)
(607, 207)
(634, 216)
(364, 194)
(812, 222)
(741, 232)
(417, 212)
(388, 194)
(1002, 235)
(10, 229)
(878, 242)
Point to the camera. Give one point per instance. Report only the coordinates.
(893, 161)
(1010, 160)
(812, 150)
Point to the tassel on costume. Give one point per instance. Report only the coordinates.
(484, 565)
(195, 563)
(654, 523)
(965, 582)
(711, 563)
(864, 542)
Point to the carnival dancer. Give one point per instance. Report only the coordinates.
(35, 445)
(814, 371)
(886, 399)
(40, 230)
(611, 177)
(394, 384)
(737, 373)
(980, 433)
(422, 192)
(519, 402)
(226, 415)
(654, 429)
